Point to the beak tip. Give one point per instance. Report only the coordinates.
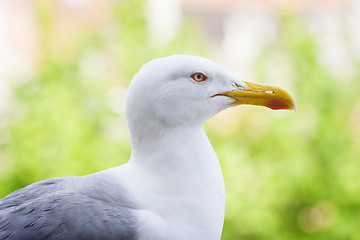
(294, 107)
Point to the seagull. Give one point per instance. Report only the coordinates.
(171, 188)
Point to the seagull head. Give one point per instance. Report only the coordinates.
(182, 90)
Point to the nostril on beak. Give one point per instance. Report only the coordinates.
(235, 85)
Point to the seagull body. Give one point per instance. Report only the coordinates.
(171, 188)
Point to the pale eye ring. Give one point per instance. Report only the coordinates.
(199, 77)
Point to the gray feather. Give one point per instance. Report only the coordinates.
(68, 208)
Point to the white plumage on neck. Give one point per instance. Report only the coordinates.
(181, 187)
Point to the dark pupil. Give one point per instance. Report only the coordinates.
(198, 76)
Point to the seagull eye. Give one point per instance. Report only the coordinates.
(199, 77)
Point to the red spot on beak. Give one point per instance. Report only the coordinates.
(277, 104)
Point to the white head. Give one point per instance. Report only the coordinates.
(182, 90)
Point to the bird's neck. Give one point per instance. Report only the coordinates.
(176, 150)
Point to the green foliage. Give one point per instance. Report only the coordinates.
(288, 175)
(294, 176)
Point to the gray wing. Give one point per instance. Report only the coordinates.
(62, 208)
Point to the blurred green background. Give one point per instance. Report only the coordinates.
(288, 175)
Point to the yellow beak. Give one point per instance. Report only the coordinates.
(262, 95)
